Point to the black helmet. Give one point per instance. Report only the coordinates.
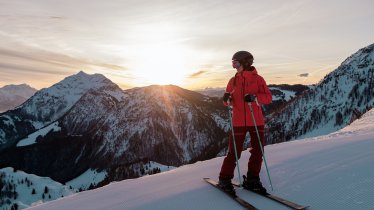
(245, 58)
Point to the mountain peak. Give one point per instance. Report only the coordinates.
(63, 95)
(365, 53)
(81, 73)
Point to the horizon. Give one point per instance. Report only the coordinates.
(205, 88)
(188, 44)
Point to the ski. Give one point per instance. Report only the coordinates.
(278, 199)
(242, 202)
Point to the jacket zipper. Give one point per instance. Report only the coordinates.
(245, 111)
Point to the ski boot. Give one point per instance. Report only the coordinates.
(254, 184)
(226, 185)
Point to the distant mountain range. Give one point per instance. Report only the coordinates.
(282, 94)
(14, 95)
(86, 124)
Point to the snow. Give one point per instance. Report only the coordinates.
(287, 94)
(2, 136)
(62, 96)
(189, 116)
(37, 125)
(119, 95)
(329, 127)
(327, 172)
(17, 178)
(89, 177)
(222, 123)
(163, 168)
(8, 121)
(31, 139)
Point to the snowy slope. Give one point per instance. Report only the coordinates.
(90, 177)
(31, 139)
(23, 184)
(327, 172)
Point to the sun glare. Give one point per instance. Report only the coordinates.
(161, 65)
(157, 55)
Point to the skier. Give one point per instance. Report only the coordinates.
(246, 87)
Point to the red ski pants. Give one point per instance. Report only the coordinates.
(255, 161)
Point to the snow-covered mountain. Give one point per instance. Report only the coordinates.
(104, 128)
(326, 172)
(332, 104)
(212, 92)
(116, 134)
(14, 95)
(47, 105)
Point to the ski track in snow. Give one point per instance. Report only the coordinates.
(326, 172)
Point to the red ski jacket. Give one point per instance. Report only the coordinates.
(247, 82)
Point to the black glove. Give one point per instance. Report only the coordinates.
(226, 97)
(249, 98)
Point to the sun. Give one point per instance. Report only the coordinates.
(158, 54)
(161, 65)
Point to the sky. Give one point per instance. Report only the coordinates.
(185, 43)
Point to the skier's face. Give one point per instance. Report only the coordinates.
(236, 65)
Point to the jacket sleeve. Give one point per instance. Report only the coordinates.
(229, 88)
(264, 95)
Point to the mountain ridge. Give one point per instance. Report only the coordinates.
(338, 99)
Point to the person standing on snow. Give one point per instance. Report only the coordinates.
(244, 88)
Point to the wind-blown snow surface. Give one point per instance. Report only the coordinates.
(328, 172)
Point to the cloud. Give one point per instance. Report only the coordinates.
(13, 68)
(303, 75)
(197, 74)
(40, 68)
(53, 59)
(56, 17)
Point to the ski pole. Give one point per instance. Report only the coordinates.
(259, 141)
(233, 140)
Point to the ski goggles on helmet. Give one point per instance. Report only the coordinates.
(235, 64)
